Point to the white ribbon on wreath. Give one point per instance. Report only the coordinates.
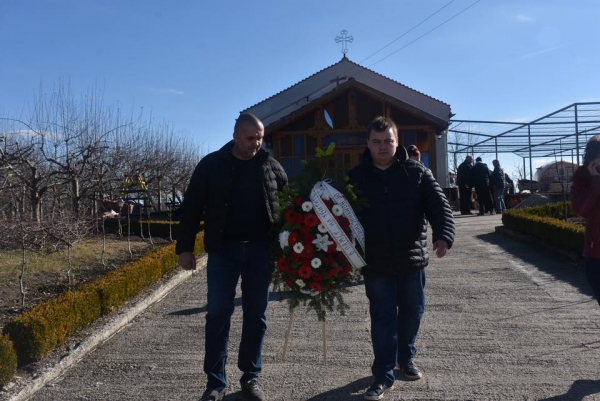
(323, 190)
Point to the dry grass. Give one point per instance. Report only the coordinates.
(46, 273)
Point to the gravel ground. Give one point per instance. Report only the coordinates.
(504, 321)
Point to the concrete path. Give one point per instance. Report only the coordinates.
(504, 321)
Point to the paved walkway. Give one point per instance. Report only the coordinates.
(503, 321)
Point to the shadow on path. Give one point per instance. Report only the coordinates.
(274, 296)
(579, 389)
(544, 260)
(351, 391)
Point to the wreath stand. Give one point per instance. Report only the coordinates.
(289, 331)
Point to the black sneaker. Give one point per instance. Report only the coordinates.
(377, 391)
(411, 371)
(213, 395)
(252, 392)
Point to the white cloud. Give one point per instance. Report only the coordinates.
(167, 90)
(524, 18)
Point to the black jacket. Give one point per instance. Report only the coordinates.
(497, 178)
(208, 194)
(480, 175)
(395, 221)
(463, 175)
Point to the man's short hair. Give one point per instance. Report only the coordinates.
(382, 124)
(478, 159)
(247, 118)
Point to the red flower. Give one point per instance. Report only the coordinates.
(298, 218)
(327, 203)
(293, 238)
(318, 277)
(340, 257)
(332, 248)
(329, 260)
(299, 201)
(290, 283)
(305, 231)
(308, 252)
(334, 272)
(311, 220)
(346, 270)
(316, 286)
(304, 272)
(292, 272)
(289, 216)
(283, 264)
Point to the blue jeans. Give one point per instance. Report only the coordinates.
(396, 305)
(499, 197)
(250, 260)
(592, 272)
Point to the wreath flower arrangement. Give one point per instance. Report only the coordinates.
(316, 254)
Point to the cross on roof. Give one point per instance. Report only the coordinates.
(344, 39)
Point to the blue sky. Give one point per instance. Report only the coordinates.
(197, 64)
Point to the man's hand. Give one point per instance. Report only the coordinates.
(187, 261)
(440, 247)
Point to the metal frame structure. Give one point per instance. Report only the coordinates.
(563, 133)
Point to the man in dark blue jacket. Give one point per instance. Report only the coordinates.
(402, 196)
(234, 190)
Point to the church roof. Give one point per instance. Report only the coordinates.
(323, 82)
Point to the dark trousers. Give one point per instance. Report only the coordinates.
(396, 306)
(592, 272)
(465, 200)
(484, 198)
(248, 260)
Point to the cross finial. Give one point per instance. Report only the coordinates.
(344, 39)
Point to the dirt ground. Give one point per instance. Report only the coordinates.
(46, 274)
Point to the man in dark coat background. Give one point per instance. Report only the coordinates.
(480, 176)
(465, 186)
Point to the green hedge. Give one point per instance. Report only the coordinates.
(8, 360)
(544, 222)
(46, 326)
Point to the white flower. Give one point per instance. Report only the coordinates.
(298, 247)
(307, 206)
(300, 283)
(322, 229)
(321, 242)
(283, 239)
(315, 263)
(337, 210)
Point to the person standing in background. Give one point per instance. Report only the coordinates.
(497, 183)
(585, 197)
(465, 185)
(480, 176)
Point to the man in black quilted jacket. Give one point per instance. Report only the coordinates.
(402, 197)
(234, 191)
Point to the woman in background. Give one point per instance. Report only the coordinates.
(585, 196)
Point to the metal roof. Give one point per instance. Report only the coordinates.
(564, 132)
(323, 82)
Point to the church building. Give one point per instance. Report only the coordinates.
(337, 103)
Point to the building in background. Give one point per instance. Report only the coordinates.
(337, 103)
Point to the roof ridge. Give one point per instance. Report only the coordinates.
(352, 76)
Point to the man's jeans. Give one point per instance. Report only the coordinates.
(396, 305)
(592, 272)
(499, 198)
(250, 261)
